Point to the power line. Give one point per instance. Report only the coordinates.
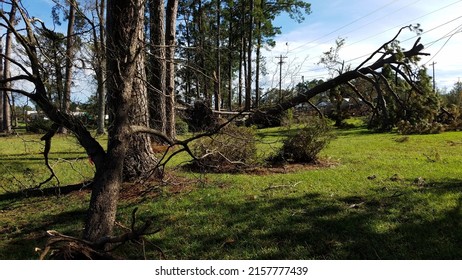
(346, 25)
(405, 23)
(450, 35)
(350, 44)
(459, 29)
(432, 29)
(400, 25)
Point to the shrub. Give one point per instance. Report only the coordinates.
(39, 125)
(181, 126)
(232, 149)
(305, 145)
(423, 127)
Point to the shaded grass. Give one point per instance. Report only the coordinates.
(384, 198)
(23, 162)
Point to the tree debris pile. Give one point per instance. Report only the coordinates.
(305, 145)
(231, 150)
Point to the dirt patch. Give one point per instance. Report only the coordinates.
(170, 184)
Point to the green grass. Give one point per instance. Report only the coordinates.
(384, 196)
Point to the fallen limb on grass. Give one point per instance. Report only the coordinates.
(60, 246)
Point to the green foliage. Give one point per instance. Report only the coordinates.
(232, 149)
(422, 127)
(39, 125)
(305, 145)
(422, 108)
(411, 109)
(288, 118)
(452, 102)
(181, 126)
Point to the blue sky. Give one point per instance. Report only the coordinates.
(39, 8)
(366, 25)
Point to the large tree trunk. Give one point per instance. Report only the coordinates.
(140, 159)
(172, 10)
(240, 76)
(127, 96)
(157, 67)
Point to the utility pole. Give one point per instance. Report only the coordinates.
(434, 85)
(281, 61)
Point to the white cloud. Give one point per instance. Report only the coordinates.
(366, 25)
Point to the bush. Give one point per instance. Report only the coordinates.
(39, 125)
(181, 126)
(232, 149)
(305, 145)
(423, 127)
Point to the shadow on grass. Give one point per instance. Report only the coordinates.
(20, 242)
(308, 226)
(314, 226)
(44, 192)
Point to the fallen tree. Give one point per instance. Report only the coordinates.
(389, 53)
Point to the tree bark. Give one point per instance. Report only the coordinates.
(2, 92)
(217, 76)
(140, 159)
(258, 57)
(248, 87)
(240, 72)
(125, 23)
(7, 74)
(70, 42)
(100, 68)
(172, 10)
(230, 68)
(157, 65)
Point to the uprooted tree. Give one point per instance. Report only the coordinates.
(389, 55)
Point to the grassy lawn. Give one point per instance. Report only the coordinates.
(381, 196)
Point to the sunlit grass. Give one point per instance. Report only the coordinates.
(382, 196)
